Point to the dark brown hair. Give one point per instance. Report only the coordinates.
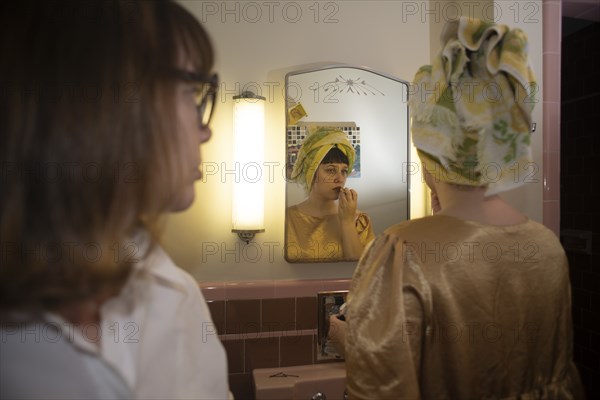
(335, 155)
(89, 140)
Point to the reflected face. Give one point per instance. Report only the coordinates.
(193, 135)
(329, 179)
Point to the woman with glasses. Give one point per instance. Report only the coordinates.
(103, 108)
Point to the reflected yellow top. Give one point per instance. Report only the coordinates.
(318, 239)
(441, 308)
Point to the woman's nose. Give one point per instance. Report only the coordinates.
(205, 134)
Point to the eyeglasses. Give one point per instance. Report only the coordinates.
(205, 96)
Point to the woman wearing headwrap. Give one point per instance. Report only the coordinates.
(327, 226)
(473, 302)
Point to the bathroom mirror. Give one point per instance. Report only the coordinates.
(371, 110)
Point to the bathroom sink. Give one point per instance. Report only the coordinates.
(300, 382)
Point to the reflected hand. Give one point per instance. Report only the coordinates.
(348, 204)
(337, 334)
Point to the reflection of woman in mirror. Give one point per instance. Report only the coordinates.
(327, 226)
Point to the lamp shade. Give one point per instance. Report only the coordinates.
(248, 153)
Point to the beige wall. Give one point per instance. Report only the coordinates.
(257, 43)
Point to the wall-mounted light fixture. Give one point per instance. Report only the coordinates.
(248, 212)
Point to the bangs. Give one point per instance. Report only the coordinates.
(335, 155)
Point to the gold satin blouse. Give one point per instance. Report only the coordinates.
(441, 308)
(318, 239)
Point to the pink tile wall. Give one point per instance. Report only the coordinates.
(266, 324)
(552, 17)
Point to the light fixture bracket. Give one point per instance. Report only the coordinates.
(247, 235)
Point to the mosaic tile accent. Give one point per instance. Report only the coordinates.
(297, 133)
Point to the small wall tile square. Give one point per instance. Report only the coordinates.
(261, 353)
(241, 386)
(242, 316)
(595, 341)
(595, 302)
(581, 297)
(306, 313)
(581, 336)
(591, 359)
(591, 282)
(296, 350)
(590, 320)
(217, 311)
(235, 355)
(278, 315)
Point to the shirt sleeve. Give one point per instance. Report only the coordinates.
(364, 228)
(384, 320)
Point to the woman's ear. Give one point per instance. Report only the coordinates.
(429, 179)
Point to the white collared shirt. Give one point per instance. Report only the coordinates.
(158, 333)
(55, 359)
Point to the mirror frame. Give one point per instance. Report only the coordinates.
(323, 324)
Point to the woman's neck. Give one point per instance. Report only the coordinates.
(472, 204)
(318, 206)
(456, 199)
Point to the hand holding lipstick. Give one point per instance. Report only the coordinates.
(348, 203)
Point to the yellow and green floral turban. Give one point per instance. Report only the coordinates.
(471, 109)
(315, 147)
